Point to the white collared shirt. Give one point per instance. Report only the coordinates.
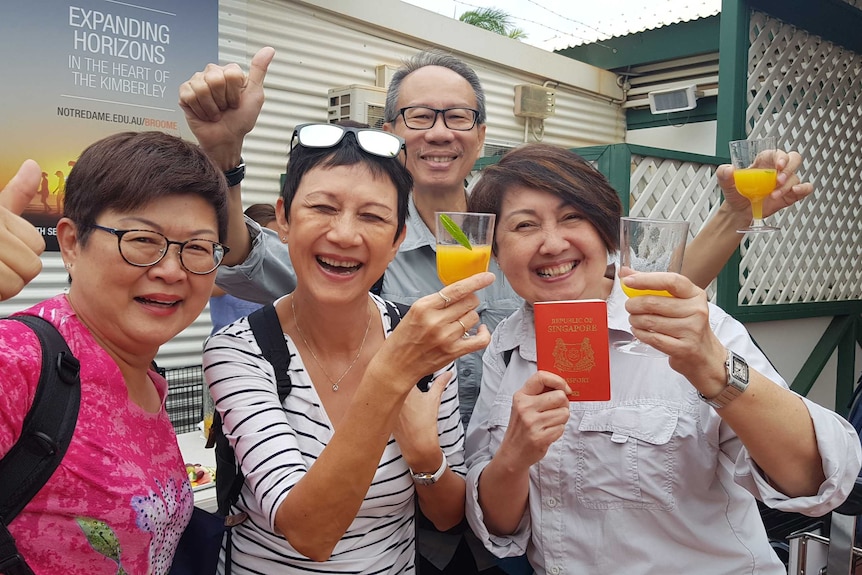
(651, 481)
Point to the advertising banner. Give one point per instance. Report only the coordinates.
(75, 71)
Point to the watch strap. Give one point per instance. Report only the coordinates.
(737, 381)
(235, 175)
(431, 478)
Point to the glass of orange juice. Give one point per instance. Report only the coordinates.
(755, 176)
(463, 245)
(648, 245)
(208, 412)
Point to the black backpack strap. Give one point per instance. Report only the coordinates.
(45, 436)
(270, 338)
(267, 332)
(377, 288)
(507, 356)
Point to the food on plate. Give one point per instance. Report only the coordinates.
(199, 474)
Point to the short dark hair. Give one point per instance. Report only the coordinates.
(432, 57)
(128, 170)
(557, 171)
(263, 214)
(347, 153)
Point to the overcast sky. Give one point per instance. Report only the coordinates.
(556, 24)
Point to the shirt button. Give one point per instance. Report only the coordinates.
(552, 502)
(555, 570)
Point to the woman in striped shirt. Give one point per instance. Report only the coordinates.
(331, 474)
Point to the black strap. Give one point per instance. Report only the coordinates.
(507, 356)
(856, 393)
(270, 338)
(46, 434)
(396, 311)
(267, 331)
(377, 288)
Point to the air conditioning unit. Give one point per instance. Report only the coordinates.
(532, 101)
(383, 74)
(358, 103)
(497, 147)
(672, 100)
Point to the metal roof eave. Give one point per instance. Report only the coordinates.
(674, 41)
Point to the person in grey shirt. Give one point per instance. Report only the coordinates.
(425, 96)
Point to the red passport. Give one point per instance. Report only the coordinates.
(572, 341)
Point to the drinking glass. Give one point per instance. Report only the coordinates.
(649, 246)
(208, 412)
(755, 176)
(463, 244)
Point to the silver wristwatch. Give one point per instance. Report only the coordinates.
(737, 382)
(430, 478)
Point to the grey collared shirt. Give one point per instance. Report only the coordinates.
(652, 481)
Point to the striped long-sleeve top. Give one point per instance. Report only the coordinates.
(277, 444)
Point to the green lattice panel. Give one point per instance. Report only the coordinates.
(807, 92)
(669, 189)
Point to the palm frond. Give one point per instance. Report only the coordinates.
(494, 20)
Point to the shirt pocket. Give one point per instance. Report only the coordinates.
(626, 457)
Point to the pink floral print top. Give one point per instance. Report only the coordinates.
(121, 498)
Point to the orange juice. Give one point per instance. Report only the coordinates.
(632, 292)
(755, 184)
(208, 423)
(455, 262)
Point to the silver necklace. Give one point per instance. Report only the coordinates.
(314, 355)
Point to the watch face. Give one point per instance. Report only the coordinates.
(739, 369)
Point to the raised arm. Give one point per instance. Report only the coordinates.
(773, 423)
(322, 505)
(221, 106)
(707, 253)
(20, 242)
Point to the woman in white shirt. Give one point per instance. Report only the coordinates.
(333, 473)
(656, 480)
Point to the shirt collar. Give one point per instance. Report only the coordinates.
(418, 234)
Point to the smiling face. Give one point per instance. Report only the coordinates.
(341, 227)
(548, 250)
(439, 159)
(133, 310)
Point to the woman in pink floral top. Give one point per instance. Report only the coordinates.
(120, 499)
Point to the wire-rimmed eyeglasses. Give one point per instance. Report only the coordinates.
(371, 140)
(424, 118)
(145, 248)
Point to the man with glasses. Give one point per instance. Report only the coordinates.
(435, 102)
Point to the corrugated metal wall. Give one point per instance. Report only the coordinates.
(318, 49)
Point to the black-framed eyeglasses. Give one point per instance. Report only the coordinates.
(371, 140)
(145, 248)
(424, 118)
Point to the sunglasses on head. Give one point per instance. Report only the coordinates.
(372, 141)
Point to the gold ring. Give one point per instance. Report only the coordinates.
(446, 299)
(464, 327)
